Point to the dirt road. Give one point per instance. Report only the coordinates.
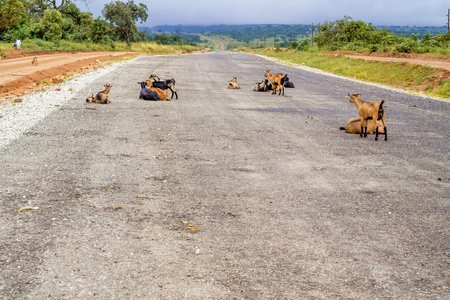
(227, 194)
(19, 75)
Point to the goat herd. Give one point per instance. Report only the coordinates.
(152, 89)
(371, 114)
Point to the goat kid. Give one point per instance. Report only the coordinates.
(369, 111)
(146, 93)
(164, 84)
(232, 84)
(277, 81)
(101, 97)
(34, 62)
(162, 94)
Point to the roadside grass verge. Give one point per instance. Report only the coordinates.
(423, 79)
(30, 46)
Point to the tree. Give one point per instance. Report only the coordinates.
(52, 25)
(124, 17)
(97, 30)
(12, 12)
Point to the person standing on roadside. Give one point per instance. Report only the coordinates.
(18, 44)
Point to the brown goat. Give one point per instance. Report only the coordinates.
(369, 111)
(277, 81)
(34, 62)
(232, 84)
(162, 94)
(101, 97)
(354, 126)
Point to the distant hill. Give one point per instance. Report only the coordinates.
(268, 30)
(408, 30)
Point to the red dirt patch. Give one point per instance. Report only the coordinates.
(18, 76)
(420, 59)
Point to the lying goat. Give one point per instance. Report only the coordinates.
(277, 81)
(369, 111)
(101, 97)
(288, 84)
(354, 126)
(164, 84)
(262, 86)
(146, 93)
(232, 84)
(162, 94)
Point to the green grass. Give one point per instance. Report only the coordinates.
(400, 75)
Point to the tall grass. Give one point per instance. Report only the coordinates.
(30, 46)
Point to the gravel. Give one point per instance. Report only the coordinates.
(18, 118)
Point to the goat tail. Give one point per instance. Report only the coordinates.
(380, 110)
(283, 79)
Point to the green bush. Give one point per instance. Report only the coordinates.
(408, 46)
(304, 46)
(373, 48)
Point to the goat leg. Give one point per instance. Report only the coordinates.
(385, 133)
(376, 134)
(362, 131)
(176, 95)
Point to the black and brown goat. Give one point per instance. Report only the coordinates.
(101, 97)
(232, 84)
(164, 84)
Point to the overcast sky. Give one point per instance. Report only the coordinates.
(210, 12)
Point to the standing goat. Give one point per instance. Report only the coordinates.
(164, 84)
(101, 97)
(369, 111)
(277, 81)
(232, 84)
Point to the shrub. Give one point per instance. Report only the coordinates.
(407, 46)
(304, 46)
(373, 48)
(294, 45)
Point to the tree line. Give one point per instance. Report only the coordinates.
(53, 20)
(342, 34)
(347, 34)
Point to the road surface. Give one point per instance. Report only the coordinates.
(227, 194)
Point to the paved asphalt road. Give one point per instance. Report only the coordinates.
(227, 194)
